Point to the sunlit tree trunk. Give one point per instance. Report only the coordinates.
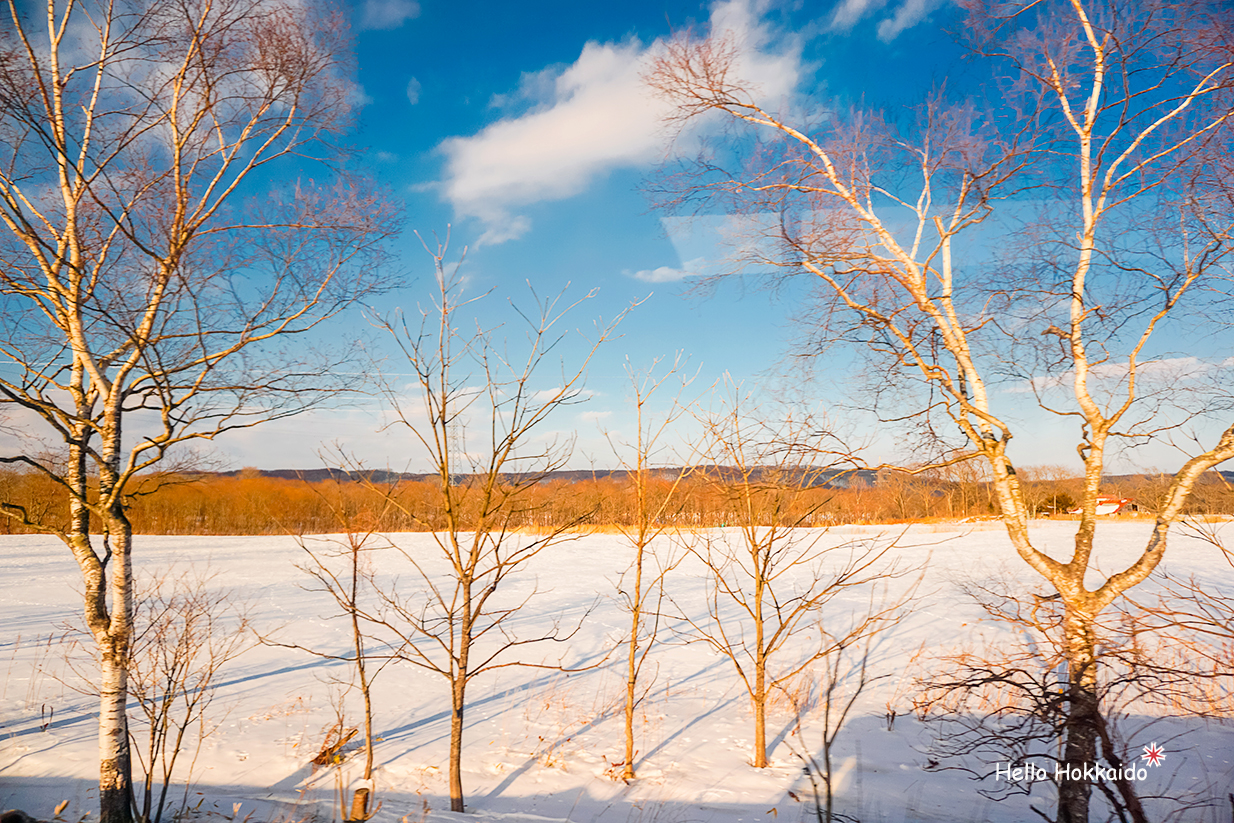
(458, 703)
(1083, 715)
(759, 693)
(632, 656)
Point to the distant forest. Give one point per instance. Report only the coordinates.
(253, 501)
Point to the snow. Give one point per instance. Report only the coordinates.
(538, 742)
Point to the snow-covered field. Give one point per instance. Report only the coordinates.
(538, 742)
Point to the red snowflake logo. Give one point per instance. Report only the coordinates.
(1154, 754)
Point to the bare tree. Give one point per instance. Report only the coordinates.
(185, 633)
(843, 681)
(654, 500)
(144, 295)
(342, 568)
(1049, 489)
(771, 580)
(1119, 116)
(968, 488)
(1190, 624)
(454, 619)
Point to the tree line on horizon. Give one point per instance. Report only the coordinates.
(254, 502)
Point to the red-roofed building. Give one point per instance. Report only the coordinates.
(1113, 505)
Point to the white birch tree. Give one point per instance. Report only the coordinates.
(149, 263)
(1114, 126)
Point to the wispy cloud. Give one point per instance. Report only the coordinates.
(849, 13)
(587, 119)
(905, 15)
(711, 245)
(413, 91)
(663, 274)
(1167, 370)
(668, 274)
(383, 15)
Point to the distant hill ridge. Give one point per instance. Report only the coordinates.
(826, 478)
(836, 478)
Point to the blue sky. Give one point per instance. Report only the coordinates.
(526, 132)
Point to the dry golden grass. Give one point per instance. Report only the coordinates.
(257, 504)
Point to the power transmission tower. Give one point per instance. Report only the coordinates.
(456, 451)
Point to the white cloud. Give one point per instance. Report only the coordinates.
(1166, 371)
(715, 244)
(534, 88)
(848, 13)
(387, 14)
(413, 91)
(502, 227)
(663, 274)
(908, 14)
(601, 118)
(358, 97)
(668, 274)
(589, 118)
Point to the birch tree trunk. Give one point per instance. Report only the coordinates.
(1083, 717)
